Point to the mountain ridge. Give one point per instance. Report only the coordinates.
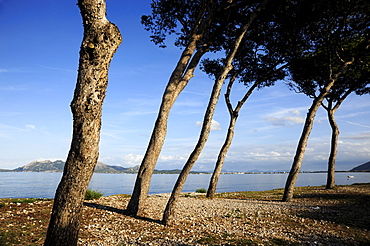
(58, 166)
(362, 168)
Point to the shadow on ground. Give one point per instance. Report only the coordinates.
(349, 210)
(118, 211)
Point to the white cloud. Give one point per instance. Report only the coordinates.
(3, 70)
(32, 127)
(132, 159)
(127, 160)
(50, 159)
(257, 157)
(357, 136)
(356, 124)
(215, 125)
(295, 112)
(286, 119)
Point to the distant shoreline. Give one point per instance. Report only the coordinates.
(193, 172)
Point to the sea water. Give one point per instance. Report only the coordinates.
(43, 185)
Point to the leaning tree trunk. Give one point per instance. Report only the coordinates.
(330, 183)
(101, 40)
(221, 158)
(234, 113)
(297, 162)
(180, 77)
(206, 126)
(176, 84)
(293, 174)
(196, 152)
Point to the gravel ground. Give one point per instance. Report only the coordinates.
(315, 217)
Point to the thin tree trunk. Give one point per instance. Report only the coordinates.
(234, 113)
(330, 183)
(221, 158)
(180, 77)
(195, 154)
(293, 174)
(206, 126)
(177, 83)
(101, 39)
(297, 162)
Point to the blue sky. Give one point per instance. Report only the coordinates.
(39, 47)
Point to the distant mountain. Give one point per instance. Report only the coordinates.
(5, 170)
(42, 166)
(363, 167)
(58, 166)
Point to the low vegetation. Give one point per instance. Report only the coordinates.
(93, 194)
(201, 190)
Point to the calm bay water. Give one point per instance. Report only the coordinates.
(43, 185)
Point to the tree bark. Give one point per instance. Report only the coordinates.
(297, 162)
(176, 84)
(221, 158)
(101, 40)
(293, 174)
(330, 183)
(196, 152)
(179, 78)
(234, 113)
(206, 126)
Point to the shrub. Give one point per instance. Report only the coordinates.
(92, 194)
(202, 190)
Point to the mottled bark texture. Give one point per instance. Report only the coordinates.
(101, 40)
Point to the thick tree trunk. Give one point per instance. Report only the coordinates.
(297, 162)
(330, 183)
(101, 39)
(176, 84)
